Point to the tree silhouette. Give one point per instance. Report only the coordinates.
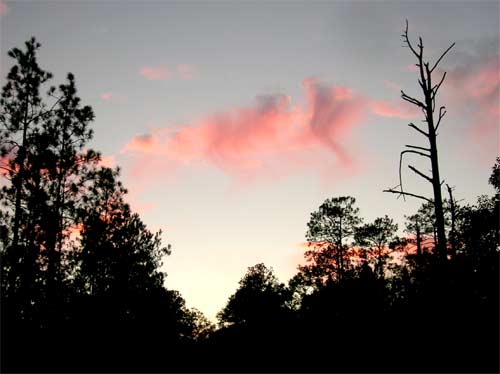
(451, 207)
(415, 227)
(495, 182)
(46, 170)
(428, 107)
(201, 326)
(22, 111)
(260, 299)
(328, 229)
(118, 254)
(79, 269)
(377, 236)
(68, 168)
(495, 176)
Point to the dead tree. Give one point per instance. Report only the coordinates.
(428, 107)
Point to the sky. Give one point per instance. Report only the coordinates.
(232, 121)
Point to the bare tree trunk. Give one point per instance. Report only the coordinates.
(436, 181)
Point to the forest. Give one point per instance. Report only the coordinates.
(82, 288)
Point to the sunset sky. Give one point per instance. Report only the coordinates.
(232, 121)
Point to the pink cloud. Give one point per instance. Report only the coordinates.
(332, 110)
(107, 96)
(472, 89)
(268, 140)
(392, 86)
(478, 81)
(113, 97)
(142, 208)
(145, 143)
(411, 68)
(4, 9)
(186, 72)
(108, 161)
(137, 204)
(385, 108)
(155, 73)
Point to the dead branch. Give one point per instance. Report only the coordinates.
(416, 152)
(436, 87)
(407, 41)
(401, 163)
(419, 130)
(415, 170)
(417, 147)
(440, 58)
(411, 100)
(409, 194)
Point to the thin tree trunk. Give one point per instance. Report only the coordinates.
(340, 252)
(419, 241)
(453, 240)
(436, 185)
(20, 179)
(380, 262)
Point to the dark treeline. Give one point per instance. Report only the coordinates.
(82, 289)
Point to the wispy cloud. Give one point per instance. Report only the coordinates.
(115, 97)
(185, 71)
(269, 139)
(155, 73)
(108, 161)
(472, 88)
(163, 72)
(393, 86)
(135, 198)
(410, 68)
(386, 108)
(4, 9)
(144, 143)
(332, 111)
(106, 96)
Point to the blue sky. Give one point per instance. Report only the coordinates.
(208, 107)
